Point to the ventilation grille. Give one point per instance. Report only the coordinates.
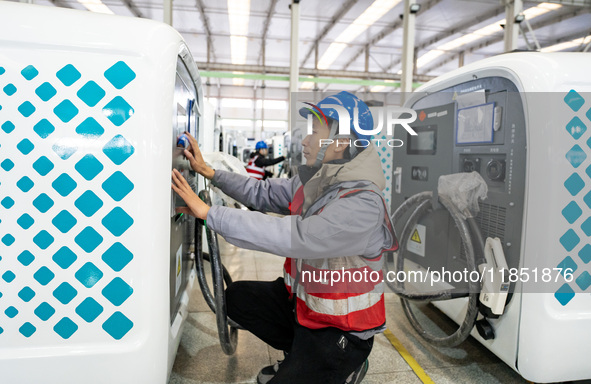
(491, 220)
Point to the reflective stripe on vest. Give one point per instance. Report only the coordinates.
(345, 292)
(253, 170)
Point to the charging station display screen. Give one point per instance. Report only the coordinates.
(475, 124)
(425, 141)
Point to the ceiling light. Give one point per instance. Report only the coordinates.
(414, 8)
(582, 41)
(96, 6)
(238, 16)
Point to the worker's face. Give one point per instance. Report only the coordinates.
(264, 151)
(311, 144)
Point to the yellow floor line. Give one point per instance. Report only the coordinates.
(409, 359)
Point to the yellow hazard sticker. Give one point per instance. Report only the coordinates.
(418, 238)
(415, 237)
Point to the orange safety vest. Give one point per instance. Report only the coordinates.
(348, 305)
(253, 170)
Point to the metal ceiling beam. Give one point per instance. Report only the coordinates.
(454, 30)
(497, 38)
(132, 8)
(205, 22)
(257, 69)
(569, 37)
(266, 29)
(386, 31)
(576, 3)
(60, 3)
(340, 13)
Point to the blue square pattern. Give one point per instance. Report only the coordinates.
(588, 171)
(11, 312)
(584, 280)
(25, 221)
(45, 91)
(26, 109)
(25, 184)
(564, 294)
(586, 226)
(90, 128)
(64, 184)
(25, 146)
(43, 165)
(64, 221)
(117, 186)
(26, 294)
(8, 126)
(118, 111)
(91, 93)
(43, 276)
(65, 293)
(574, 184)
(89, 310)
(89, 167)
(68, 75)
(567, 263)
(7, 202)
(569, 240)
(585, 253)
(88, 203)
(65, 111)
(7, 165)
(29, 72)
(117, 257)
(117, 291)
(8, 276)
(43, 203)
(88, 275)
(64, 148)
(574, 100)
(8, 240)
(117, 325)
(117, 221)
(588, 114)
(44, 311)
(9, 89)
(576, 156)
(27, 329)
(44, 128)
(43, 239)
(88, 239)
(25, 258)
(119, 75)
(118, 149)
(65, 328)
(64, 257)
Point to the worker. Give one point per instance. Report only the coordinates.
(258, 162)
(336, 225)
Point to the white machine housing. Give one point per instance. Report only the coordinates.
(91, 108)
(544, 336)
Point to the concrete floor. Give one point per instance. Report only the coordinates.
(201, 360)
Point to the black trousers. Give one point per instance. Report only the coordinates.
(323, 356)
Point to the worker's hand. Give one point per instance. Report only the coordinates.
(195, 206)
(193, 154)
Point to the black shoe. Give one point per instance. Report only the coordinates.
(267, 373)
(357, 376)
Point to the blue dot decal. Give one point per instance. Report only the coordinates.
(572, 212)
(574, 184)
(64, 184)
(576, 156)
(8, 276)
(64, 257)
(26, 294)
(43, 165)
(7, 202)
(27, 329)
(118, 111)
(64, 221)
(9, 89)
(119, 75)
(89, 310)
(585, 253)
(65, 293)
(64, 148)
(576, 128)
(7, 165)
(569, 240)
(117, 186)
(117, 325)
(29, 72)
(117, 257)
(574, 100)
(584, 280)
(90, 129)
(118, 149)
(564, 294)
(25, 146)
(43, 128)
(26, 109)
(88, 239)
(44, 311)
(43, 239)
(25, 221)
(26, 258)
(117, 291)
(88, 275)
(88, 203)
(25, 184)
(89, 167)
(43, 276)
(43, 203)
(8, 127)
(117, 221)
(65, 328)
(586, 226)
(11, 312)
(8, 240)
(45, 91)
(65, 111)
(68, 75)
(91, 93)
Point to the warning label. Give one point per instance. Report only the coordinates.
(416, 244)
